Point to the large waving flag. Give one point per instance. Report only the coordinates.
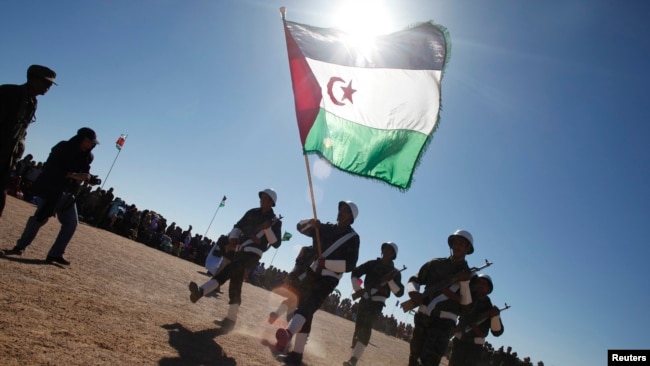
(369, 109)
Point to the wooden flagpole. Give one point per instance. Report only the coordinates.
(313, 205)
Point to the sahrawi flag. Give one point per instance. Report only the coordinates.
(119, 144)
(369, 109)
(223, 202)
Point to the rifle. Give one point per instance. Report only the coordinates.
(390, 275)
(438, 288)
(260, 233)
(463, 327)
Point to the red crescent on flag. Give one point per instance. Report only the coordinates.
(330, 85)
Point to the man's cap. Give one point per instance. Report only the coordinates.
(41, 72)
(88, 133)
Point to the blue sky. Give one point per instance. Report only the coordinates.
(540, 152)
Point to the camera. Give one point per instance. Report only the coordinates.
(94, 180)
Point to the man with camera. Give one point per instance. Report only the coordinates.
(55, 190)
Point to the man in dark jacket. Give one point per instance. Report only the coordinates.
(17, 111)
(65, 169)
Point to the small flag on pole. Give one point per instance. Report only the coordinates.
(223, 202)
(287, 235)
(120, 141)
(370, 111)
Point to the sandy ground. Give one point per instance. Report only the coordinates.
(123, 303)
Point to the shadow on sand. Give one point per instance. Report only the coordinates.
(195, 348)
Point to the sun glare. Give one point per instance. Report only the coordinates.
(363, 19)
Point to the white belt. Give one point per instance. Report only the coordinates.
(253, 250)
(448, 315)
(378, 298)
(325, 271)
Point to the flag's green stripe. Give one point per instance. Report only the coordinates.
(389, 155)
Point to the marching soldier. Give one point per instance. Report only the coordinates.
(251, 236)
(480, 318)
(381, 278)
(436, 317)
(340, 245)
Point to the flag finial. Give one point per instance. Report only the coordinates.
(283, 11)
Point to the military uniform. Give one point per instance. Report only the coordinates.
(321, 283)
(373, 300)
(436, 317)
(469, 339)
(340, 252)
(249, 253)
(258, 229)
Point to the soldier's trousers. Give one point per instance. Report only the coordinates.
(367, 314)
(430, 339)
(465, 353)
(235, 271)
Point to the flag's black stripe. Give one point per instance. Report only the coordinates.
(419, 48)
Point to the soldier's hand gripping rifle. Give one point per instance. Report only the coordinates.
(466, 326)
(437, 289)
(387, 277)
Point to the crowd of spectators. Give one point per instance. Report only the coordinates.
(100, 208)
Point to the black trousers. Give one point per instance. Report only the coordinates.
(234, 271)
(465, 353)
(316, 290)
(367, 313)
(430, 339)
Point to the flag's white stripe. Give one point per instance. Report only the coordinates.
(385, 98)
